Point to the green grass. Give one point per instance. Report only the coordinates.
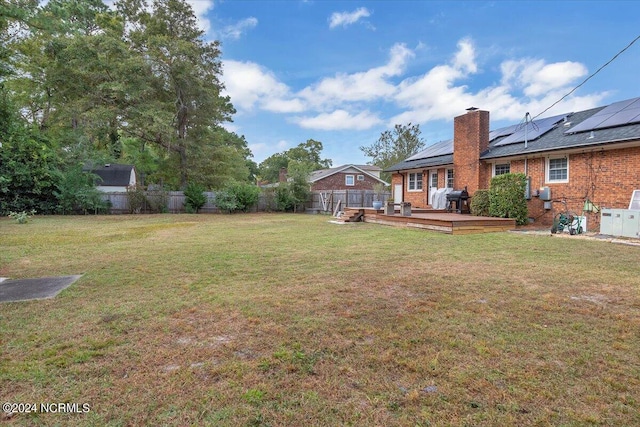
(288, 320)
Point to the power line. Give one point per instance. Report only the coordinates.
(588, 78)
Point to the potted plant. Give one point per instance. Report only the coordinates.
(378, 190)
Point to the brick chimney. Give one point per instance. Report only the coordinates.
(282, 176)
(470, 138)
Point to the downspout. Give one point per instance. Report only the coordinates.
(526, 160)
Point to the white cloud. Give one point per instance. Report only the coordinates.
(363, 86)
(236, 30)
(250, 85)
(440, 93)
(262, 150)
(347, 18)
(465, 58)
(339, 120)
(201, 8)
(536, 77)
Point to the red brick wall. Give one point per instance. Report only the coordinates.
(337, 182)
(470, 138)
(607, 178)
(418, 199)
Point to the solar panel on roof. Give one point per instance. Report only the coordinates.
(617, 114)
(502, 132)
(531, 130)
(438, 149)
(629, 115)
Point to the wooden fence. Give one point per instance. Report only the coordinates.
(173, 201)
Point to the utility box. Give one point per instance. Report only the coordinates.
(620, 222)
(527, 188)
(545, 194)
(631, 223)
(606, 221)
(616, 222)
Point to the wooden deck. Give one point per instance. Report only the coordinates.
(441, 221)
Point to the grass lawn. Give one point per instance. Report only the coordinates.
(288, 320)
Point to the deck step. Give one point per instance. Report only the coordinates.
(352, 215)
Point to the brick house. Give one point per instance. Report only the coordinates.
(591, 155)
(346, 177)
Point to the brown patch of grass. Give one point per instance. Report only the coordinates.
(289, 320)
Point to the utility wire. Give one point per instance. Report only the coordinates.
(588, 78)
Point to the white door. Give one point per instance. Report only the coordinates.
(397, 193)
(433, 185)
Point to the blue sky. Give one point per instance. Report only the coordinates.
(342, 72)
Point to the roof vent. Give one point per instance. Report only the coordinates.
(567, 124)
(591, 135)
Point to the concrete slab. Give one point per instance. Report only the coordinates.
(29, 289)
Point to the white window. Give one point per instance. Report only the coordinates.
(449, 178)
(349, 180)
(360, 177)
(501, 168)
(434, 179)
(415, 182)
(557, 169)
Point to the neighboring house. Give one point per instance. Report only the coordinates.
(114, 178)
(346, 177)
(591, 155)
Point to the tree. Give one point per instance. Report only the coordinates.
(27, 165)
(137, 84)
(394, 146)
(307, 153)
(184, 79)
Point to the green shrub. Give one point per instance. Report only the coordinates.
(137, 199)
(157, 198)
(284, 199)
(194, 197)
(480, 203)
(506, 197)
(22, 217)
(246, 195)
(226, 201)
(76, 192)
(269, 199)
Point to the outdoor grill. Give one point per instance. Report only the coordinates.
(461, 199)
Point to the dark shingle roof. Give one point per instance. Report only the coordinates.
(555, 139)
(112, 174)
(439, 153)
(323, 173)
(558, 139)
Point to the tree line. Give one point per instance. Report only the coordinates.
(81, 83)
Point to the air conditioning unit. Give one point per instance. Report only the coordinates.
(620, 222)
(631, 223)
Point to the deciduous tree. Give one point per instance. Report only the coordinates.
(395, 145)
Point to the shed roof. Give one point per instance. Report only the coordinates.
(112, 174)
